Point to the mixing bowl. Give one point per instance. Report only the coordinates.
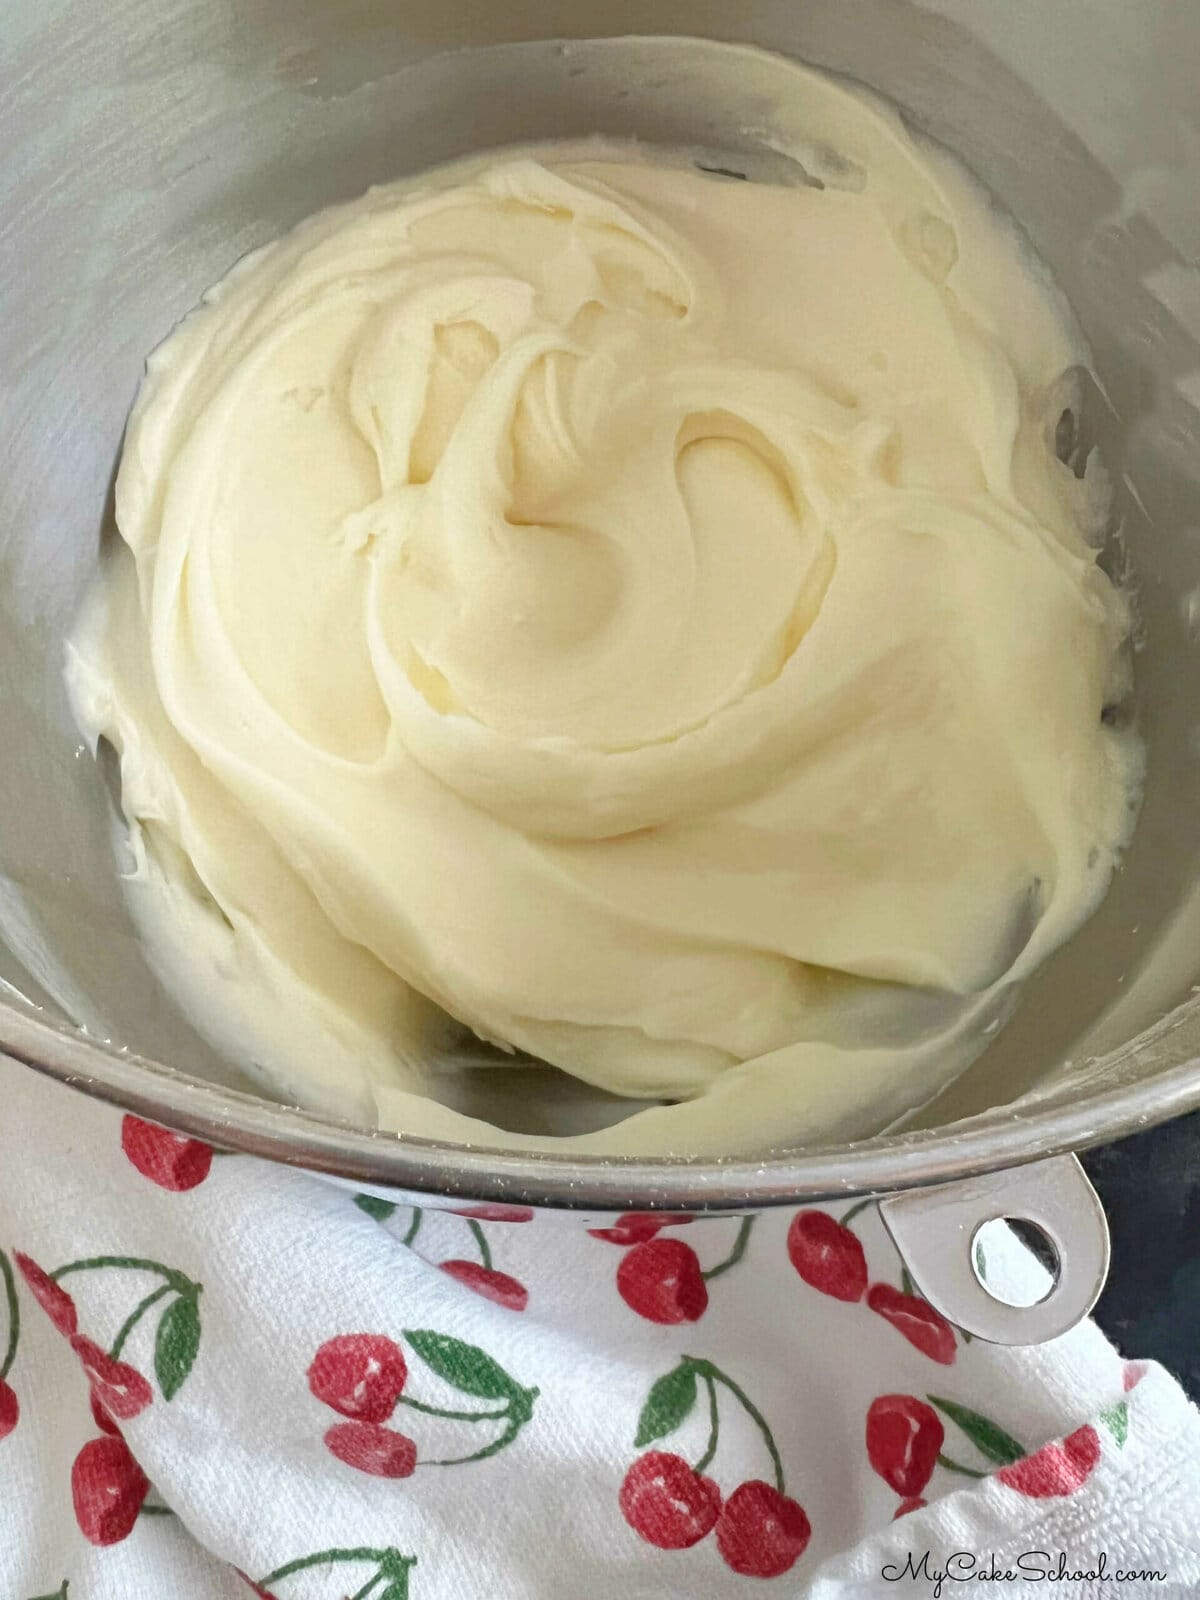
(149, 143)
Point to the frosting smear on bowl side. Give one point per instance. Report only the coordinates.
(624, 614)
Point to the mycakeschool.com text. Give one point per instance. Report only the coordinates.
(938, 1575)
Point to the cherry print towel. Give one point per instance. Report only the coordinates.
(221, 1378)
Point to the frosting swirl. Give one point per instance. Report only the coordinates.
(633, 613)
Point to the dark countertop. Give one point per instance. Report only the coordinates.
(1150, 1185)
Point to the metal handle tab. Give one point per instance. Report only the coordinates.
(936, 1232)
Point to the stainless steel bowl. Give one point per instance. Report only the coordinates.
(149, 143)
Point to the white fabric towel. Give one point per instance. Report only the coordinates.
(213, 1366)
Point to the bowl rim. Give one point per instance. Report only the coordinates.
(1069, 1118)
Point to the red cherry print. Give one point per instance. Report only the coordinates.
(661, 1281)
(1055, 1469)
(760, 1532)
(55, 1302)
(827, 1256)
(369, 1448)
(916, 1319)
(635, 1227)
(1133, 1374)
(10, 1409)
(914, 1503)
(904, 1437)
(120, 1388)
(493, 1285)
(359, 1374)
(107, 1487)
(492, 1211)
(100, 1416)
(171, 1160)
(670, 1504)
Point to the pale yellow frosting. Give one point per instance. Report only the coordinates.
(636, 613)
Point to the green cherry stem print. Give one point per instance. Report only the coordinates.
(1057, 1469)
(388, 1581)
(364, 1376)
(761, 1531)
(480, 1275)
(10, 1408)
(740, 1241)
(119, 1390)
(177, 1341)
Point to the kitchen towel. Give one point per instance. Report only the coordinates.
(224, 1378)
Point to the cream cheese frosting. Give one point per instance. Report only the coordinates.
(624, 614)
